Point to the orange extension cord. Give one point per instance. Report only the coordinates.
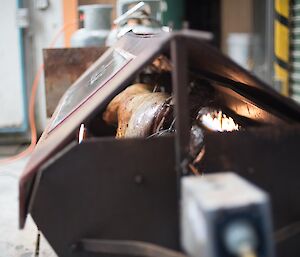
(31, 108)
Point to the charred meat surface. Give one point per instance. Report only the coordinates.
(134, 110)
(110, 115)
(137, 113)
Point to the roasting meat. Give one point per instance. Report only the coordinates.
(110, 116)
(135, 111)
(139, 111)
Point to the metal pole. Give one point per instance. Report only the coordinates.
(180, 89)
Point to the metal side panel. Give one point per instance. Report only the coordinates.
(144, 51)
(109, 189)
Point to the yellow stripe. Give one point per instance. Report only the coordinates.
(281, 36)
(283, 76)
(281, 44)
(282, 7)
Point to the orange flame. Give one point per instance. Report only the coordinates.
(218, 121)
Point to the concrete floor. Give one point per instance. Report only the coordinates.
(15, 242)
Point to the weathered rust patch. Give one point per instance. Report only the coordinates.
(63, 66)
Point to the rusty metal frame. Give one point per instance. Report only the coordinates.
(63, 190)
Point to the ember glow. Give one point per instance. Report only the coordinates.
(218, 121)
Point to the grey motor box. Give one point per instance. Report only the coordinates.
(222, 211)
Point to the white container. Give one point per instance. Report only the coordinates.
(238, 48)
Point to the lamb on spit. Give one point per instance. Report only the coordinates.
(143, 110)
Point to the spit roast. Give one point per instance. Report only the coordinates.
(155, 108)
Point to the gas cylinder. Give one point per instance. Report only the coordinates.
(96, 26)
